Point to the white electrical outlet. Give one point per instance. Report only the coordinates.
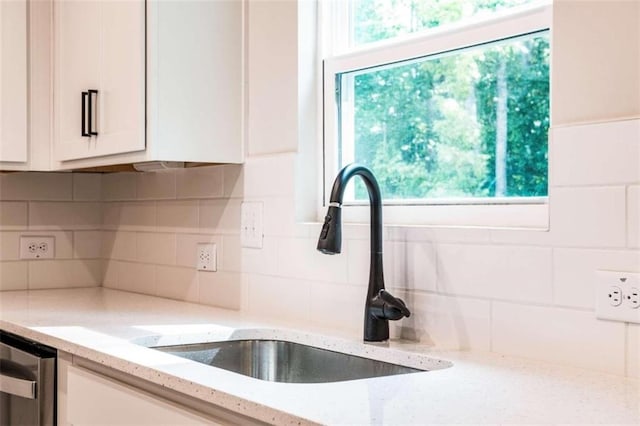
(251, 224)
(37, 247)
(618, 296)
(615, 296)
(206, 257)
(632, 298)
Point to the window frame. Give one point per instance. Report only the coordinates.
(510, 212)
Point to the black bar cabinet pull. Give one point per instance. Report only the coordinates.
(83, 120)
(91, 131)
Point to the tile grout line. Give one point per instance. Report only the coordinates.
(626, 349)
(491, 337)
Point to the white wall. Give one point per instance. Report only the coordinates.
(525, 293)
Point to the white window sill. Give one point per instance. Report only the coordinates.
(520, 216)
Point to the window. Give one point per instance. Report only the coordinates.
(446, 101)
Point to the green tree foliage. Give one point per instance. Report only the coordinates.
(427, 127)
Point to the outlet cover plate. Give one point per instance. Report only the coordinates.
(251, 224)
(37, 247)
(610, 281)
(207, 257)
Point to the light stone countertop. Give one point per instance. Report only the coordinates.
(111, 327)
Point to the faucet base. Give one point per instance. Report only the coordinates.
(375, 330)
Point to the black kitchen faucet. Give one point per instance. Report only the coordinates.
(380, 306)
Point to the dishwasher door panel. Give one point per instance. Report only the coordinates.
(27, 382)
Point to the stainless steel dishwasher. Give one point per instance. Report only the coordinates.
(27, 382)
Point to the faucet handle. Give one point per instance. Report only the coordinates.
(395, 303)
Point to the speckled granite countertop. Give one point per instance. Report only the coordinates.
(111, 327)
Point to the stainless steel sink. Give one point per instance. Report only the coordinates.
(287, 362)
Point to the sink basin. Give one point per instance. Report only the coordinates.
(286, 362)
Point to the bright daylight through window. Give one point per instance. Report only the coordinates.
(447, 101)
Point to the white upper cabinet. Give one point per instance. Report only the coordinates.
(99, 78)
(138, 81)
(25, 84)
(13, 82)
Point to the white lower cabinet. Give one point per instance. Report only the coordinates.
(93, 399)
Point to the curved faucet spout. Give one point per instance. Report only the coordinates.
(380, 306)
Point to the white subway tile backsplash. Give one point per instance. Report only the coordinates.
(559, 335)
(112, 215)
(64, 273)
(230, 254)
(133, 216)
(14, 276)
(339, 306)
(136, 277)
(220, 288)
(499, 272)
(588, 217)
(159, 185)
(60, 215)
(63, 243)
(119, 245)
(87, 187)
(281, 298)
(36, 186)
(111, 271)
(353, 231)
(269, 176)
(633, 350)
(177, 216)
(420, 266)
(219, 216)
(13, 215)
(87, 244)
(574, 272)
(279, 218)
(445, 322)
(177, 283)
(119, 186)
(233, 178)
(633, 216)
(396, 273)
(595, 154)
(9, 246)
(359, 260)
(298, 258)
(259, 261)
(156, 248)
(200, 182)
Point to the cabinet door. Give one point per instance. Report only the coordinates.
(100, 45)
(13, 81)
(96, 400)
(121, 110)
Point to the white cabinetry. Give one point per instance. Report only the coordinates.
(13, 81)
(99, 77)
(25, 89)
(168, 76)
(93, 399)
